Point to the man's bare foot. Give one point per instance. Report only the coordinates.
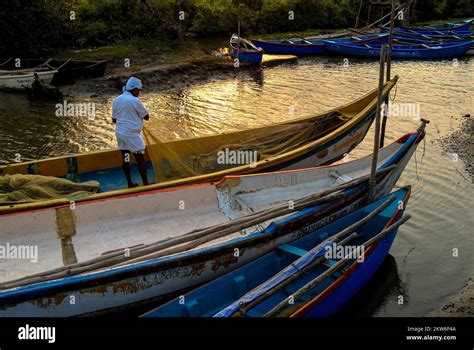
(132, 185)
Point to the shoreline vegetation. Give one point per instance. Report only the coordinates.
(47, 28)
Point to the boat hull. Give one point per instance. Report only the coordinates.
(248, 56)
(280, 48)
(68, 70)
(22, 81)
(341, 291)
(447, 51)
(448, 27)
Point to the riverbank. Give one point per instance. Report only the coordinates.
(460, 144)
(462, 305)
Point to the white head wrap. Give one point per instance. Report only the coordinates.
(133, 83)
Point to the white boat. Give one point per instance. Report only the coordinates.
(19, 80)
(91, 230)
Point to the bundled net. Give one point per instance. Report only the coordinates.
(198, 156)
(19, 188)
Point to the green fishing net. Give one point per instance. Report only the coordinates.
(198, 156)
(19, 188)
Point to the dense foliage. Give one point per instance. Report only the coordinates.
(37, 27)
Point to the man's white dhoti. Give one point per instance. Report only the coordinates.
(133, 142)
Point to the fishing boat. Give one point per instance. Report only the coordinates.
(411, 37)
(411, 51)
(298, 47)
(245, 51)
(447, 27)
(434, 36)
(319, 285)
(68, 69)
(19, 80)
(87, 253)
(305, 46)
(296, 144)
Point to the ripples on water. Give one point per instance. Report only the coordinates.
(441, 203)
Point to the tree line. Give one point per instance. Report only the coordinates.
(40, 27)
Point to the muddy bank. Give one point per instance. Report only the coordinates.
(460, 144)
(462, 305)
(155, 76)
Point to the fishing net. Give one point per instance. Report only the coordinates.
(19, 188)
(198, 156)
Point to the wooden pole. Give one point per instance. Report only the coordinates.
(389, 66)
(238, 42)
(372, 181)
(358, 14)
(400, 7)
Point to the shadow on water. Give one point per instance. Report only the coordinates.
(385, 283)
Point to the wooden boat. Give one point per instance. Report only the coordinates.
(257, 288)
(245, 51)
(304, 46)
(413, 51)
(19, 81)
(412, 37)
(450, 36)
(328, 136)
(101, 230)
(68, 69)
(447, 27)
(298, 47)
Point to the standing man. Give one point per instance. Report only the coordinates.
(128, 113)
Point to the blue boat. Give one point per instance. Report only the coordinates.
(434, 36)
(303, 47)
(460, 26)
(301, 271)
(298, 47)
(414, 51)
(245, 51)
